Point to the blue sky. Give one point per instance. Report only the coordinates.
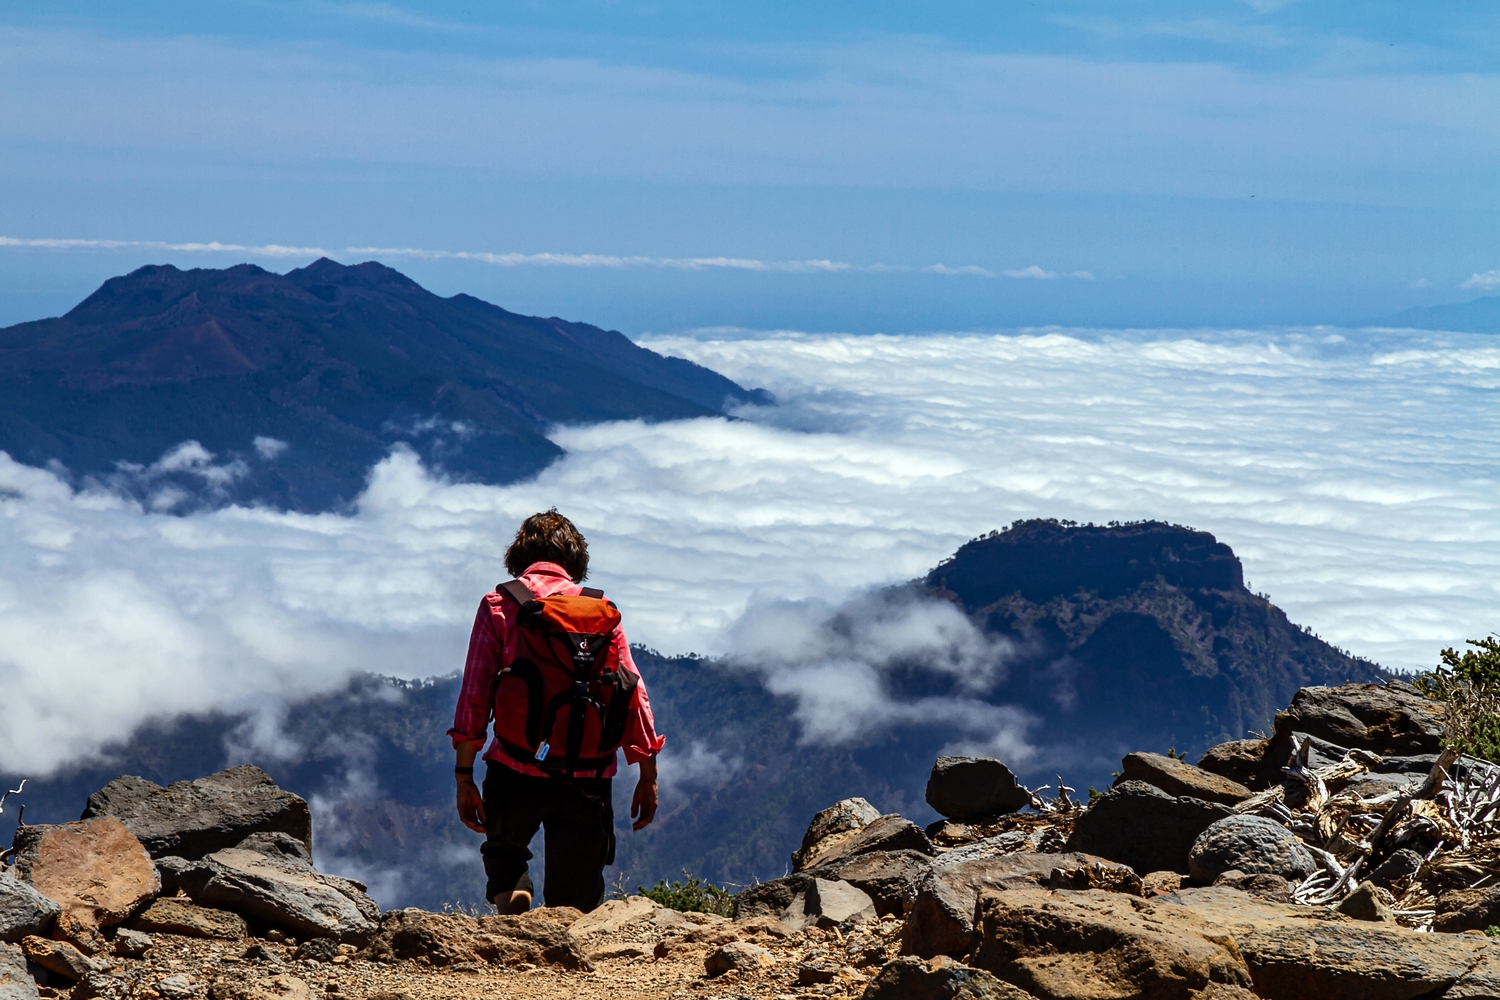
(851, 167)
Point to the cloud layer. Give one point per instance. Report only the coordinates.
(1357, 474)
(514, 259)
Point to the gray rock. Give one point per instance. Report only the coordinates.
(1140, 825)
(100, 986)
(281, 845)
(1399, 865)
(941, 921)
(1272, 888)
(23, 910)
(192, 819)
(275, 891)
(1252, 844)
(1392, 720)
(1178, 777)
(890, 878)
(1364, 903)
(770, 899)
(318, 950)
(940, 979)
(836, 904)
(973, 787)
(843, 816)
(178, 987)
(15, 982)
(132, 943)
(887, 833)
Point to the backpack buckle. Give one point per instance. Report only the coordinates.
(580, 689)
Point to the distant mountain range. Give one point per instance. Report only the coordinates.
(1480, 315)
(328, 366)
(1138, 636)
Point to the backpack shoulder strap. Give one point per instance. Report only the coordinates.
(516, 589)
(593, 592)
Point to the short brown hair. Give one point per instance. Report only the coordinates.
(548, 537)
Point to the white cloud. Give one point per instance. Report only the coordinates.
(1031, 272)
(268, 447)
(839, 664)
(1487, 280)
(1359, 480)
(513, 259)
(213, 246)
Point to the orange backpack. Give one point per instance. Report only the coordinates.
(560, 689)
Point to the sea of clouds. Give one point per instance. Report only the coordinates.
(1356, 474)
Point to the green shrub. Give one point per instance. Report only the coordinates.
(695, 895)
(1468, 683)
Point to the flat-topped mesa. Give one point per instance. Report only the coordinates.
(1041, 560)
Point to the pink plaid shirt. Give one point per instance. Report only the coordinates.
(492, 645)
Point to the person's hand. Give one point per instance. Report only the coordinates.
(643, 803)
(471, 804)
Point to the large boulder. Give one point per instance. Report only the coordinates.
(886, 833)
(23, 910)
(965, 788)
(94, 870)
(941, 921)
(192, 819)
(1092, 944)
(538, 937)
(1254, 845)
(1295, 952)
(940, 978)
(1391, 719)
(1178, 777)
(15, 981)
(839, 821)
(275, 891)
(1140, 825)
(1218, 943)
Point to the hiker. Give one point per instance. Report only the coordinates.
(548, 662)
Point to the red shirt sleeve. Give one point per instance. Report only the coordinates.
(641, 740)
(476, 698)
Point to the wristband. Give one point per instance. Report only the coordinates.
(463, 770)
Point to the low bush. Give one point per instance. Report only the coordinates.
(695, 895)
(1468, 683)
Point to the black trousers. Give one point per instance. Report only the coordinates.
(579, 820)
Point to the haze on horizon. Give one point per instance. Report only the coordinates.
(654, 167)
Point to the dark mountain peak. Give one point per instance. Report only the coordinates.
(369, 275)
(1043, 559)
(333, 359)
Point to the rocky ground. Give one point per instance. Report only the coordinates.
(629, 947)
(1347, 856)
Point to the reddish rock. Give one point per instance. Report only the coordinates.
(95, 870)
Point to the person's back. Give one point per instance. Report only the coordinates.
(549, 663)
